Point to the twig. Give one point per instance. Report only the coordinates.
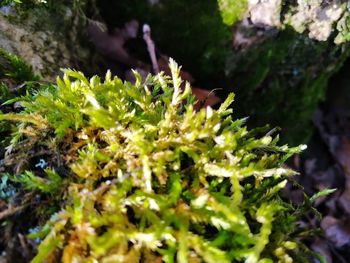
(24, 246)
(11, 211)
(151, 47)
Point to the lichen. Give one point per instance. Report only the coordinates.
(316, 17)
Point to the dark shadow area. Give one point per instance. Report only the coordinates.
(326, 164)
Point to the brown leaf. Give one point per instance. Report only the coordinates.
(209, 98)
(111, 46)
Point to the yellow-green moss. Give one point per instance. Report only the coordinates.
(149, 178)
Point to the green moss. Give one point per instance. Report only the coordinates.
(275, 83)
(232, 10)
(7, 2)
(149, 178)
(15, 68)
(15, 77)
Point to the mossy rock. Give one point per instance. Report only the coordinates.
(283, 80)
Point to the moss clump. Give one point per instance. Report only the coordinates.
(232, 10)
(140, 176)
(16, 77)
(14, 68)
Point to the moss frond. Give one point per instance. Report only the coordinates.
(147, 177)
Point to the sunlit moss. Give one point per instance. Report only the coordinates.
(148, 178)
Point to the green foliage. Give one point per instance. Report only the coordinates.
(16, 78)
(5, 93)
(148, 178)
(15, 68)
(13, 73)
(15, 2)
(232, 10)
(324, 192)
(343, 27)
(50, 185)
(8, 2)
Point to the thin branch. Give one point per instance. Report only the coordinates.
(11, 211)
(151, 47)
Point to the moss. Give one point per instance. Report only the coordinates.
(232, 10)
(16, 77)
(148, 178)
(15, 68)
(275, 83)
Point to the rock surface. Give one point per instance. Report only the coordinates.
(46, 39)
